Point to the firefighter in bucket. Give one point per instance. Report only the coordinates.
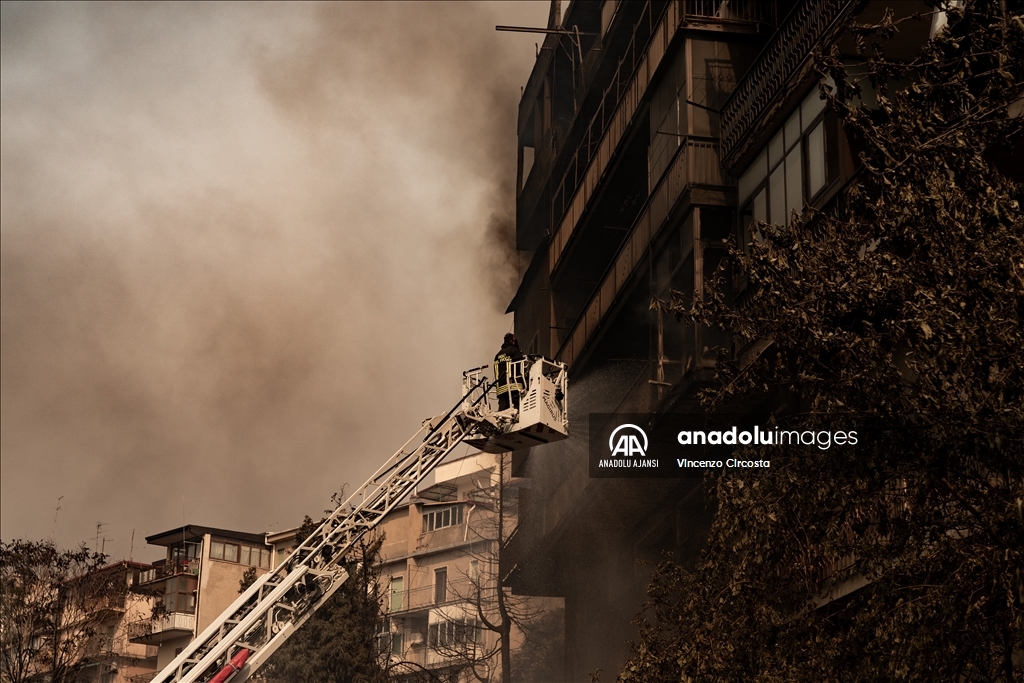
(509, 384)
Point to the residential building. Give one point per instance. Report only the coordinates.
(76, 626)
(649, 133)
(439, 577)
(431, 564)
(110, 606)
(197, 580)
(441, 567)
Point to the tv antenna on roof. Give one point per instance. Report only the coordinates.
(53, 530)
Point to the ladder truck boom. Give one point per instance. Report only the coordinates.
(248, 632)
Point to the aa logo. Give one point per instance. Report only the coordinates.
(628, 442)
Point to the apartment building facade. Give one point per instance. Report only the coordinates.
(107, 609)
(650, 133)
(198, 579)
(440, 576)
(439, 579)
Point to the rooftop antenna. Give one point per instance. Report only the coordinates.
(131, 548)
(53, 530)
(555, 28)
(184, 549)
(99, 530)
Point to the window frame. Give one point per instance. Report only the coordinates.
(223, 546)
(453, 634)
(246, 553)
(434, 519)
(801, 147)
(440, 586)
(179, 594)
(400, 593)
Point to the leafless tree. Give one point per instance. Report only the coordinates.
(482, 604)
(52, 605)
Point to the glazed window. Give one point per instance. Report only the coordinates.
(439, 518)
(456, 633)
(227, 552)
(397, 592)
(798, 163)
(256, 557)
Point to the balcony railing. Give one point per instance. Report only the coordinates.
(766, 83)
(165, 571)
(608, 127)
(696, 163)
(424, 597)
(114, 602)
(743, 11)
(161, 628)
(623, 99)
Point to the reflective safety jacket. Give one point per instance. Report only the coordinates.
(503, 369)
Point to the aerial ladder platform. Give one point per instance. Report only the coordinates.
(241, 639)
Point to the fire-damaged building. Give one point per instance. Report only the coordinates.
(649, 133)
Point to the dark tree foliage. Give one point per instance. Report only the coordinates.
(248, 579)
(900, 305)
(338, 643)
(52, 605)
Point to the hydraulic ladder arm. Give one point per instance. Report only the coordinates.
(238, 642)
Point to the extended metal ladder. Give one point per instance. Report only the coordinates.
(238, 642)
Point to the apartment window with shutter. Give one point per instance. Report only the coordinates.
(397, 591)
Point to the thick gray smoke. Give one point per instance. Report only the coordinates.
(245, 250)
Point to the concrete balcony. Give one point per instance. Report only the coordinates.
(424, 598)
(161, 628)
(600, 142)
(695, 166)
(161, 572)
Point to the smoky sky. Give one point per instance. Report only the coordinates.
(246, 250)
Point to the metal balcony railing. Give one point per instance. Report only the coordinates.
(114, 602)
(743, 114)
(425, 597)
(611, 121)
(744, 11)
(164, 571)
